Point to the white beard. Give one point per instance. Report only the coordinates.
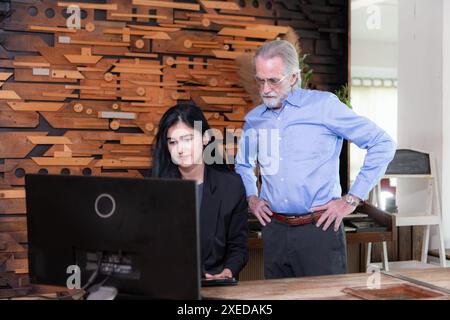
(272, 103)
(277, 101)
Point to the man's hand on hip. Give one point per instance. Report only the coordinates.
(335, 211)
(260, 209)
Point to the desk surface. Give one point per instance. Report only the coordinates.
(307, 288)
(323, 287)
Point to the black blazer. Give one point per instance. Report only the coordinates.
(223, 222)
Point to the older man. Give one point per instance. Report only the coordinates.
(296, 138)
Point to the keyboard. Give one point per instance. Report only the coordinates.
(219, 282)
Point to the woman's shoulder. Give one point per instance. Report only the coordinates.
(226, 177)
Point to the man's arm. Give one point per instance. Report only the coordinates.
(366, 135)
(245, 165)
(246, 157)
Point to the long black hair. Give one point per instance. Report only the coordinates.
(187, 113)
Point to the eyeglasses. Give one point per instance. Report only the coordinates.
(272, 82)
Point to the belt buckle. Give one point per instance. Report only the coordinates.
(291, 217)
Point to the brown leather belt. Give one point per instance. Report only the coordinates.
(298, 220)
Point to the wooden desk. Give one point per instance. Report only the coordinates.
(307, 288)
(439, 277)
(323, 287)
(40, 292)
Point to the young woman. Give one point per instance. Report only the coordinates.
(180, 142)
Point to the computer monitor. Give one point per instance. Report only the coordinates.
(140, 235)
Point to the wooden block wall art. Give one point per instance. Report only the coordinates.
(16, 144)
(167, 4)
(85, 58)
(88, 100)
(13, 257)
(10, 118)
(25, 43)
(35, 106)
(220, 5)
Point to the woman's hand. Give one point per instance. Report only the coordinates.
(226, 273)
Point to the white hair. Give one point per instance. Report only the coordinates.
(286, 51)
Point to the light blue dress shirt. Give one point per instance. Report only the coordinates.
(298, 150)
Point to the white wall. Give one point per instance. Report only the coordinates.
(374, 54)
(446, 123)
(420, 90)
(374, 59)
(374, 51)
(380, 106)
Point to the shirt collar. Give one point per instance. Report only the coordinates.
(293, 99)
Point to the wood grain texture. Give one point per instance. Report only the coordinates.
(48, 161)
(51, 29)
(5, 75)
(9, 95)
(322, 287)
(223, 100)
(84, 5)
(15, 119)
(220, 5)
(12, 194)
(223, 54)
(167, 4)
(249, 33)
(16, 144)
(48, 140)
(82, 59)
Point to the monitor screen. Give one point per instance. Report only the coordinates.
(137, 235)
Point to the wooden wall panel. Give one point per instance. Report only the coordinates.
(105, 85)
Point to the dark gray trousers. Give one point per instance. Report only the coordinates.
(300, 251)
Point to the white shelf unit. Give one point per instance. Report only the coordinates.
(427, 218)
